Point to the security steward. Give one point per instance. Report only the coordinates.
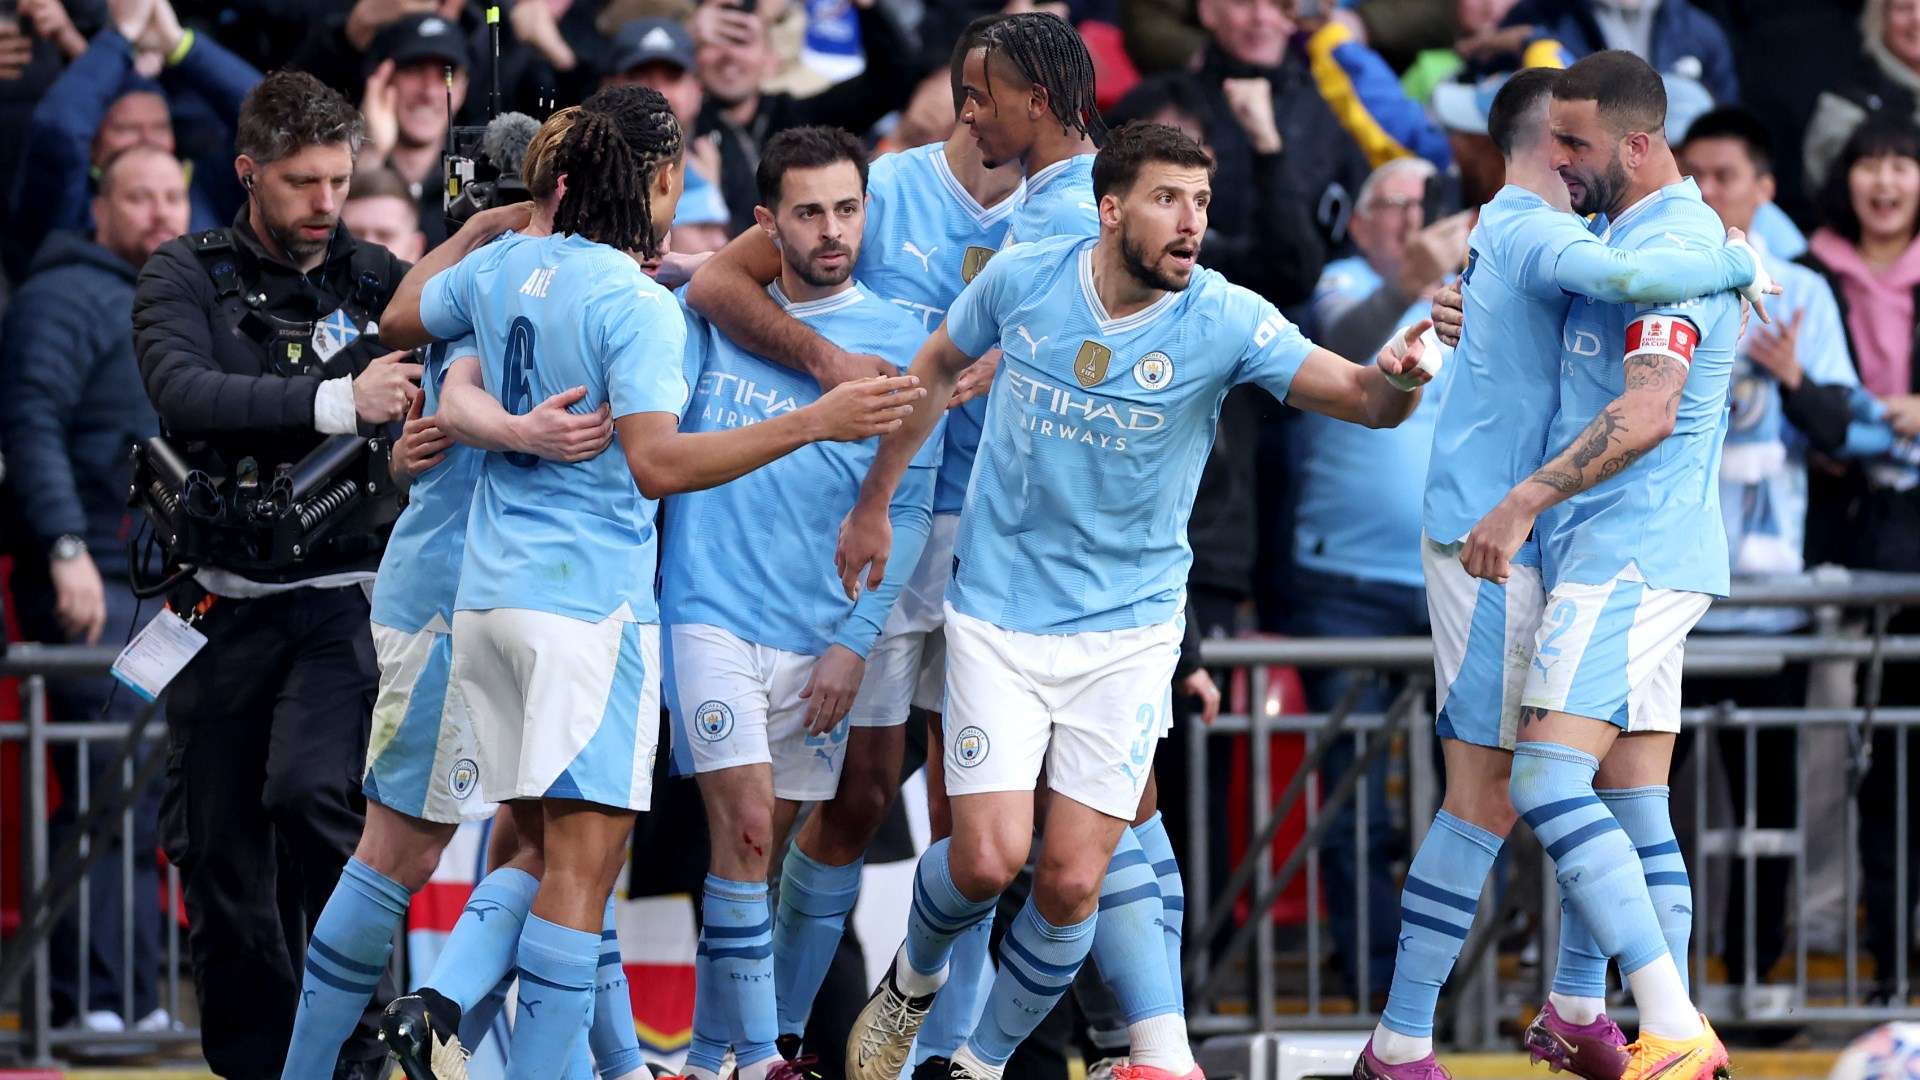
(257, 343)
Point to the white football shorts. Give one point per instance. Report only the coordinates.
(737, 703)
(422, 761)
(1482, 645)
(1613, 652)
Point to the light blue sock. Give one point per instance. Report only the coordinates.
(1436, 912)
(1129, 947)
(940, 911)
(956, 1011)
(1581, 970)
(1037, 963)
(707, 1049)
(736, 937)
(610, 1034)
(1594, 861)
(556, 966)
(346, 954)
(814, 901)
(580, 1058)
(480, 951)
(477, 1023)
(1644, 814)
(1152, 834)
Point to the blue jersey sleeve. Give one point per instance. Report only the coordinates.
(643, 338)
(446, 303)
(912, 516)
(1271, 348)
(974, 319)
(1660, 275)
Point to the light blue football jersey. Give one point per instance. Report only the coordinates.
(1661, 514)
(420, 570)
(551, 313)
(1524, 260)
(754, 556)
(926, 237)
(1059, 202)
(1096, 432)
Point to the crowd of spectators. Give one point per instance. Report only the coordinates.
(1351, 153)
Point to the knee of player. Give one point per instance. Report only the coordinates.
(1066, 886)
(742, 829)
(981, 867)
(862, 803)
(1489, 807)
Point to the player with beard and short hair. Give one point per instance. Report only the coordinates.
(1065, 613)
(765, 657)
(1633, 550)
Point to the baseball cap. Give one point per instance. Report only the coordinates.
(422, 37)
(649, 41)
(1465, 106)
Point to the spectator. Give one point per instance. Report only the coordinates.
(380, 209)
(733, 59)
(406, 107)
(1479, 45)
(73, 409)
(107, 101)
(1870, 516)
(1791, 385)
(36, 45)
(549, 49)
(1356, 546)
(1461, 108)
(1885, 83)
(1248, 47)
(659, 53)
(1366, 95)
(1677, 38)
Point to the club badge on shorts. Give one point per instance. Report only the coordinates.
(461, 778)
(1090, 363)
(970, 747)
(713, 720)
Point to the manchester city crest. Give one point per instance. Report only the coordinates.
(970, 747)
(713, 720)
(461, 778)
(1154, 371)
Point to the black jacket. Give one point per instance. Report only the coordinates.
(73, 405)
(855, 104)
(209, 379)
(1319, 161)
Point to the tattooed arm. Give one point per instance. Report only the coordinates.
(1627, 428)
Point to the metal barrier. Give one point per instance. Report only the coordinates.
(1477, 997)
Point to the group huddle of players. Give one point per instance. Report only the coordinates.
(997, 536)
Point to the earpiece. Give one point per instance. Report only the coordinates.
(246, 181)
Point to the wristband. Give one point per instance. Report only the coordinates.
(181, 50)
(1429, 363)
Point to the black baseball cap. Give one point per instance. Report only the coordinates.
(652, 41)
(422, 37)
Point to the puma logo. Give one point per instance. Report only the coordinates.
(482, 908)
(530, 1006)
(1033, 344)
(925, 258)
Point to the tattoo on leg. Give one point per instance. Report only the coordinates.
(1529, 714)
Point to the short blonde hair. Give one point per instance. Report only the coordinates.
(538, 171)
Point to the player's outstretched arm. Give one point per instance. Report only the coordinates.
(473, 417)
(1376, 395)
(400, 325)
(667, 461)
(1663, 275)
(730, 290)
(1626, 429)
(866, 536)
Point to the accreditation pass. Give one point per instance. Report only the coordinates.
(157, 654)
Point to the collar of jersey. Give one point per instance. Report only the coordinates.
(807, 308)
(1045, 176)
(1115, 326)
(1645, 200)
(982, 215)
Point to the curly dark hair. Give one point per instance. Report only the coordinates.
(619, 140)
(1132, 146)
(1045, 51)
(290, 111)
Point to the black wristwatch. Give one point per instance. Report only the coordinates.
(67, 547)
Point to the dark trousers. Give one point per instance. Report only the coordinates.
(269, 729)
(1881, 890)
(1327, 605)
(99, 979)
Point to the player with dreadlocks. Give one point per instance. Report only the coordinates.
(1028, 89)
(556, 630)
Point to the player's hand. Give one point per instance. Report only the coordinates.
(676, 269)
(1405, 361)
(1755, 292)
(487, 224)
(830, 689)
(976, 380)
(80, 598)
(1200, 685)
(866, 539)
(1776, 352)
(384, 392)
(1449, 314)
(862, 408)
(422, 444)
(551, 431)
(1488, 551)
(844, 367)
